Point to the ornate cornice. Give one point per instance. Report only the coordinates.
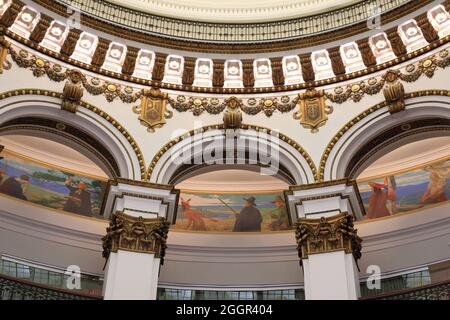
(136, 234)
(327, 235)
(130, 94)
(361, 116)
(104, 115)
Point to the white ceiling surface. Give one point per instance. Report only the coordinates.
(409, 155)
(51, 152)
(232, 180)
(234, 11)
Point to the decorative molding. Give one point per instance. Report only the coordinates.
(136, 234)
(327, 235)
(158, 70)
(191, 133)
(363, 115)
(71, 97)
(4, 50)
(394, 93)
(92, 108)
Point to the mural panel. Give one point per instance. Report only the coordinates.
(406, 191)
(52, 187)
(232, 212)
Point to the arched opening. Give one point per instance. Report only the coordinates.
(100, 135)
(215, 148)
(376, 132)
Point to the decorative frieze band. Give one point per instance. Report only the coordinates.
(215, 105)
(136, 234)
(327, 235)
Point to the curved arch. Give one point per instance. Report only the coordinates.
(19, 107)
(427, 112)
(293, 160)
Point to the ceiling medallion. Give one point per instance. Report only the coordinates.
(313, 110)
(152, 110)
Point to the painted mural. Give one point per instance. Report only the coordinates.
(406, 191)
(232, 212)
(51, 187)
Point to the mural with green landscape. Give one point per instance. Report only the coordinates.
(51, 187)
(232, 212)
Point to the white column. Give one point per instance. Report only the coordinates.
(135, 240)
(326, 238)
(331, 276)
(131, 276)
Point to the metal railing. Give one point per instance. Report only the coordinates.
(15, 289)
(233, 32)
(436, 291)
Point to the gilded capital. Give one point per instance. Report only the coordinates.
(327, 235)
(136, 234)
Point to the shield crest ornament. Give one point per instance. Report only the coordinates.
(313, 109)
(153, 109)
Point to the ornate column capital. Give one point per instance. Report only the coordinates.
(136, 234)
(327, 235)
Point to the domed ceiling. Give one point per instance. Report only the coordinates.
(235, 11)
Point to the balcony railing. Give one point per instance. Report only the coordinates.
(15, 289)
(436, 291)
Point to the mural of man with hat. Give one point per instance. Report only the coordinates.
(279, 215)
(79, 199)
(249, 219)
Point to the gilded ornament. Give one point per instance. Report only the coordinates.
(152, 110)
(251, 101)
(268, 102)
(331, 234)
(355, 87)
(197, 102)
(136, 234)
(427, 63)
(285, 99)
(313, 109)
(410, 68)
(95, 81)
(111, 87)
(443, 54)
(40, 63)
